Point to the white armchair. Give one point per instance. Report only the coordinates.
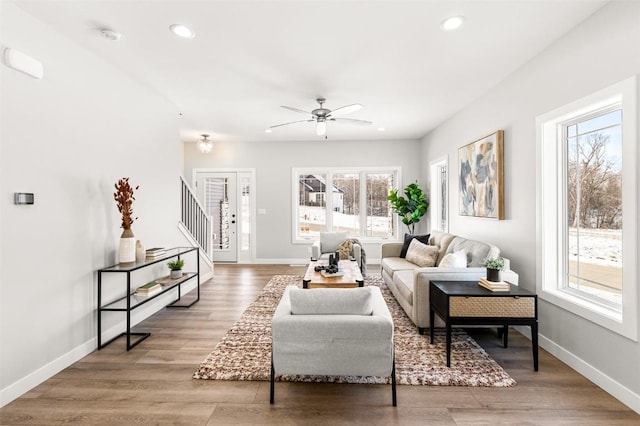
(329, 243)
(335, 332)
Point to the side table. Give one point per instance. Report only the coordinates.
(467, 303)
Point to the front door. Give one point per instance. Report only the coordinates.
(217, 191)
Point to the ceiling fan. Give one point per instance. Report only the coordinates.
(322, 115)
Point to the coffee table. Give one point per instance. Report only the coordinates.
(350, 277)
(467, 303)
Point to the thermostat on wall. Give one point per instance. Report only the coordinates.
(23, 198)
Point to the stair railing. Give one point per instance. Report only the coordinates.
(195, 219)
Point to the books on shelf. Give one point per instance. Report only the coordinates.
(166, 280)
(155, 253)
(149, 289)
(494, 285)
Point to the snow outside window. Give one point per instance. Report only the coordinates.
(343, 199)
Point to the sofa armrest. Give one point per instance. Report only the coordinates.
(357, 253)
(391, 250)
(509, 275)
(315, 250)
(422, 280)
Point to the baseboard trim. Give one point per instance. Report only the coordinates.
(609, 385)
(45, 372)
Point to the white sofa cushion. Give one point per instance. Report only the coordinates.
(421, 254)
(457, 259)
(394, 264)
(331, 301)
(404, 281)
(476, 251)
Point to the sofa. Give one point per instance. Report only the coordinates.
(332, 332)
(410, 282)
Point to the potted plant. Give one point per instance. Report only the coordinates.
(176, 268)
(412, 208)
(495, 266)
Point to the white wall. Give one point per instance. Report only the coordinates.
(68, 138)
(601, 51)
(274, 161)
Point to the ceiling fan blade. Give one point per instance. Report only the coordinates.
(321, 129)
(295, 110)
(291, 122)
(352, 121)
(347, 109)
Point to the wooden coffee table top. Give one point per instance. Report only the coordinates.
(352, 277)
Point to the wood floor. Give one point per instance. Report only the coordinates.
(152, 383)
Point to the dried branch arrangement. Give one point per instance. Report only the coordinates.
(124, 199)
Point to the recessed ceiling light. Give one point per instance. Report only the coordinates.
(182, 31)
(451, 23)
(381, 129)
(268, 131)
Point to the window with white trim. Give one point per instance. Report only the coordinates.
(587, 201)
(343, 199)
(439, 195)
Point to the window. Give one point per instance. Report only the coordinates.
(345, 199)
(587, 203)
(593, 185)
(439, 195)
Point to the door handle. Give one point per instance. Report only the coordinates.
(233, 221)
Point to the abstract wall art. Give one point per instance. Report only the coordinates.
(480, 177)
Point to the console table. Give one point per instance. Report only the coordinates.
(467, 303)
(129, 301)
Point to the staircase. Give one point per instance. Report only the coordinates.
(195, 224)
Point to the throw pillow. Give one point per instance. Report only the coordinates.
(345, 249)
(422, 255)
(407, 240)
(331, 301)
(457, 259)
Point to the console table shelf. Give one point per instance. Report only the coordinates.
(130, 301)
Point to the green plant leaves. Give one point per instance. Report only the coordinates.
(411, 208)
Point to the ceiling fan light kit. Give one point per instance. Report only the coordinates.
(322, 115)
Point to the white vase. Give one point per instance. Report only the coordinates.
(141, 254)
(175, 274)
(127, 249)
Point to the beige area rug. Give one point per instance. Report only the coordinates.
(245, 352)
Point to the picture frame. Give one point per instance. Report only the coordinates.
(480, 177)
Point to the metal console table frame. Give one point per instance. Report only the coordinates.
(129, 302)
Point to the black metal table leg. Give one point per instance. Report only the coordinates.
(448, 344)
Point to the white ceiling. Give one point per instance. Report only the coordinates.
(250, 57)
